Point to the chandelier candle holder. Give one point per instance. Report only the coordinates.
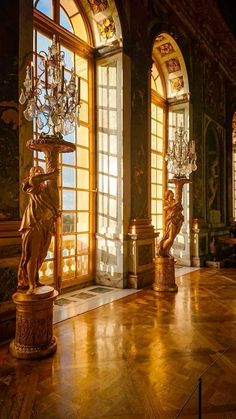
(181, 161)
(181, 155)
(53, 102)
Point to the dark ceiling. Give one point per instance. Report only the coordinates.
(228, 11)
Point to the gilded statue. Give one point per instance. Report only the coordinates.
(37, 225)
(173, 222)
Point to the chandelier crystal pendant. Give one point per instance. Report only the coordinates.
(181, 155)
(51, 99)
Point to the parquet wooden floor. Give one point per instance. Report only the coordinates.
(135, 358)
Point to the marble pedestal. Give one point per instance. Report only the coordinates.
(34, 324)
(164, 274)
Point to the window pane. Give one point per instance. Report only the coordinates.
(102, 75)
(82, 157)
(68, 199)
(84, 112)
(83, 136)
(65, 20)
(159, 162)
(112, 76)
(112, 98)
(83, 221)
(83, 200)
(113, 165)
(113, 208)
(103, 183)
(103, 118)
(46, 273)
(68, 158)
(112, 119)
(69, 137)
(113, 144)
(45, 6)
(82, 179)
(103, 163)
(79, 27)
(82, 265)
(68, 177)
(154, 142)
(103, 204)
(82, 243)
(103, 141)
(160, 129)
(69, 59)
(113, 186)
(159, 145)
(43, 42)
(159, 177)
(81, 67)
(68, 246)
(84, 90)
(68, 222)
(68, 268)
(102, 96)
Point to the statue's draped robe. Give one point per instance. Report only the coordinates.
(37, 225)
(173, 223)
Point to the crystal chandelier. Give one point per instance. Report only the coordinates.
(181, 155)
(51, 99)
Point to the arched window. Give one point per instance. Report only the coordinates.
(80, 28)
(170, 103)
(158, 147)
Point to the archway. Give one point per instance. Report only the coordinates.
(170, 92)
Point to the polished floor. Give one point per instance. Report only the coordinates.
(137, 357)
(80, 301)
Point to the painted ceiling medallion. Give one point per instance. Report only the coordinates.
(107, 28)
(165, 49)
(98, 6)
(173, 65)
(177, 84)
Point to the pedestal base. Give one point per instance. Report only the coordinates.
(34, 326)
(141, 253)
(164, 274)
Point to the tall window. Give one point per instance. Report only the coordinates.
(234, 163)
(110, 171)
(72, 244)
(158, 148)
